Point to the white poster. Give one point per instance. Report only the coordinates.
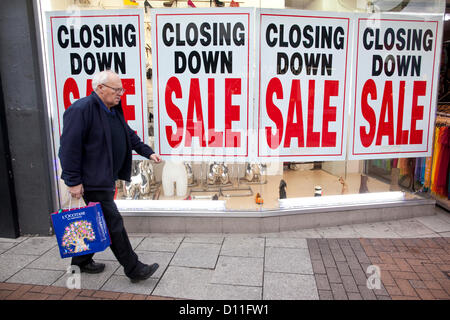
(395, 86)
(86, 42)
(303, 85)
(203, 83)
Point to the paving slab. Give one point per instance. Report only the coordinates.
(34, 246)
(204, 239)
(288, 260)
(434, 223)
(149, 257)
(196, 255)
(107, 254)
(12, 263)
(344, 231)
(51, 260)
(247, 271)
(91, 281)
(431, 235)
(160, 243)
(303, 234)
(36, 276)
(230, 292)
(119, 283)
(409, 228)
(287, 243)
(184, 283)
(4, 246)
(288, 286)
(442, 214)
(375, 230)
(243, 247)
(13, 240)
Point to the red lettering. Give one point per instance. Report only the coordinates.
(402, 135)
(215, 139)
(174, 139)
(232, 87)
(294, 129)
(329, 113)
(195, 128)
(70, 87)
(368, 113)
(419, 89)
(128, 110)
(89, 88)
(312, 137)
(274, 86)
(386, 128)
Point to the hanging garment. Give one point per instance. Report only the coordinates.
(448, 189)
(422, 171)
(394, 163)
(427, 177)
(417, 169)
(403, 165)
(435, 157)
(442, 169)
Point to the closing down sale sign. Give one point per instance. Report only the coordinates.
(395, 82)
(303, 89)
(203, 84)
(82, 43)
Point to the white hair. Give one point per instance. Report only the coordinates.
(101, 78)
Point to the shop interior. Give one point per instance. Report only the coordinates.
(259, 186)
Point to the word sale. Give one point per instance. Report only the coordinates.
(190, 128)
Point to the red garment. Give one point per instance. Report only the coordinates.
(442, 165)
(394, 163)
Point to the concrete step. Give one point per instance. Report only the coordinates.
(272, 220)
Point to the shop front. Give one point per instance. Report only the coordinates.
(269, 115)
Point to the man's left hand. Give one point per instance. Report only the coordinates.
(155, 157)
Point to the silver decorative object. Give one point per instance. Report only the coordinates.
(190, 174)
(147, 177)
(218, 174)
(131, 190)
(255, 172)
(143, 181)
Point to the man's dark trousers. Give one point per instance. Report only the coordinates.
(120, 244)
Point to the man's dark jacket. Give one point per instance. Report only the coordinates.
(86, 148)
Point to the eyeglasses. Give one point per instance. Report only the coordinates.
(116, 90)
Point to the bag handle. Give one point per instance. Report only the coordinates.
(70, 202)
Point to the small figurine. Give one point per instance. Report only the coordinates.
(344, 185)
(259, 199)
(282, 189)
(317, 191)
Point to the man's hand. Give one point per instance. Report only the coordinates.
(76, 191)
(155, 157)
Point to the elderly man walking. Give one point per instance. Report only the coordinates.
(96, 150)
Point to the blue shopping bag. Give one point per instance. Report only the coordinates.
(81, 231)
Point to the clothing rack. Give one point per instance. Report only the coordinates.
(442, 120)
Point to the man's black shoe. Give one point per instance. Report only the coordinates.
(145, 272)
(93, 267)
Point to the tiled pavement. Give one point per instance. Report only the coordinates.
(413, 257)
